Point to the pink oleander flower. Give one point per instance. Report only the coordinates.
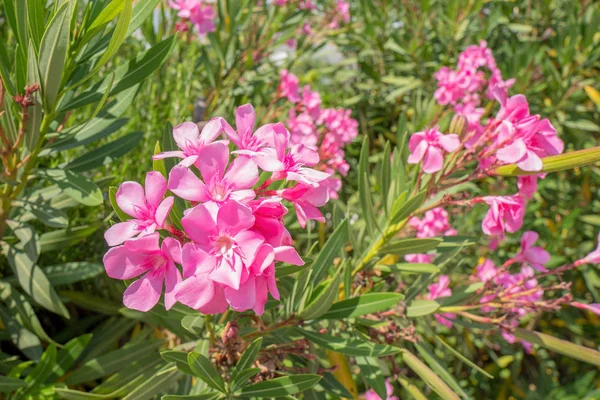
(594, 307)
(306, 29)
(260, 144)
(219, 185)
(343, 9)
(297, 162)
(311, 100)
(372, 395)
(306, 200)
(145, 205)
(505, 214)
(419, 258)
(428, 146)
(339, 122)
(223, 234)
(594, 256)
(527, 185)
(288, 87)
(144, 256)
(532, 255)
(303, 129)
(192, 142)
(441, 289)
(486, 271)
(202, 17)
(184, 7)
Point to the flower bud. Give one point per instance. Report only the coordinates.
(458, 125)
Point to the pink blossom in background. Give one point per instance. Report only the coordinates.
(306, 29)
(343, 9)
(428, 146)
(486, 271)
(435, 222)
(528, 185)
(505, 214)
(372, 395)
(437, 290)
(184, 7)
(157, 263)
(594, 307)
(203, 19)
(419, 258)
(145, 205)
(288, 87)
(532, 255)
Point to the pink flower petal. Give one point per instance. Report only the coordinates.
(131, 199)
(213, 160)
(195, 292)
(186, 136)
(242, 173)
(155, 188)
(185, 184)
(196, 261)
(433, 161)
(172, 278)
(244, 298)
(121, 263)
(288, 254)
(118, 233)
(234, 217)
(162, 212)
(245, 118)
(144, 293)
(199, 224)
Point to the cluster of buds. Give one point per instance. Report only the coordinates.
(26, 100)
(324, 130)
(233, 229)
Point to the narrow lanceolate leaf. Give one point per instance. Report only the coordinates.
(61, 238)
(348, 346)
(419, 308)
(53, 54)
(126, 76)
(118, 36)
(159, 165)
(330, 250)
(361, 305)
(400, 247)
(566, 348)
(206, 371)
(283, 386)
(439, 369)
(72, 272)
(429, 377)
(109, 12)
(68, 356)
(8, 385)
(324, 300)
(179, 358)
(112, 195)
(21, 310)
(364, 189)
(5, 70)
(561, 162)
(416, 268)
(43, 369)
(35, 21)
(248, 357)
(105, 154)
(142, 10)
(463, 358)
(409, 207)
(44, 213)
(34, 112)
(157, 383)
(22, 338)
(78, 187)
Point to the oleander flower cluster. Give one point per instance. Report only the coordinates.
(233, 231)
(434, 223)
(197, 14)
(324, 130)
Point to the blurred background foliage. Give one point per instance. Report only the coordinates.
(381, 65)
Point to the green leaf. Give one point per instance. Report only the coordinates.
(463, 358)
(91, 302)
(283, 386)
(207, 396)
(364, 189)
(22, 311)
(159, 165)
(5, 70)
(583, 125)
(440, 370)
(36, 14)
(366, 304)
(241, 379)
(179, 358)
(118, 36)
(400, 247)
(206, 371)
(77, 395)
(53, 54)
(416, 268)
(109, 13)
(8, 385)
(419, 308)
(557, 163)
(62, 238)
(193, 323)
(408, 207)
(71, 272)
(111, 362)
(330, 250)
(105, 154)
(428, 376)
(68, 355)
(247, 359)
(34, 112)
(158, 383)
(24, 339)
(566, 348)
(78, 187)
(325, 299)
(126, 76)
(348, 346)
(371, 372)
(142, 10)
(44, 213)
(43, 369)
